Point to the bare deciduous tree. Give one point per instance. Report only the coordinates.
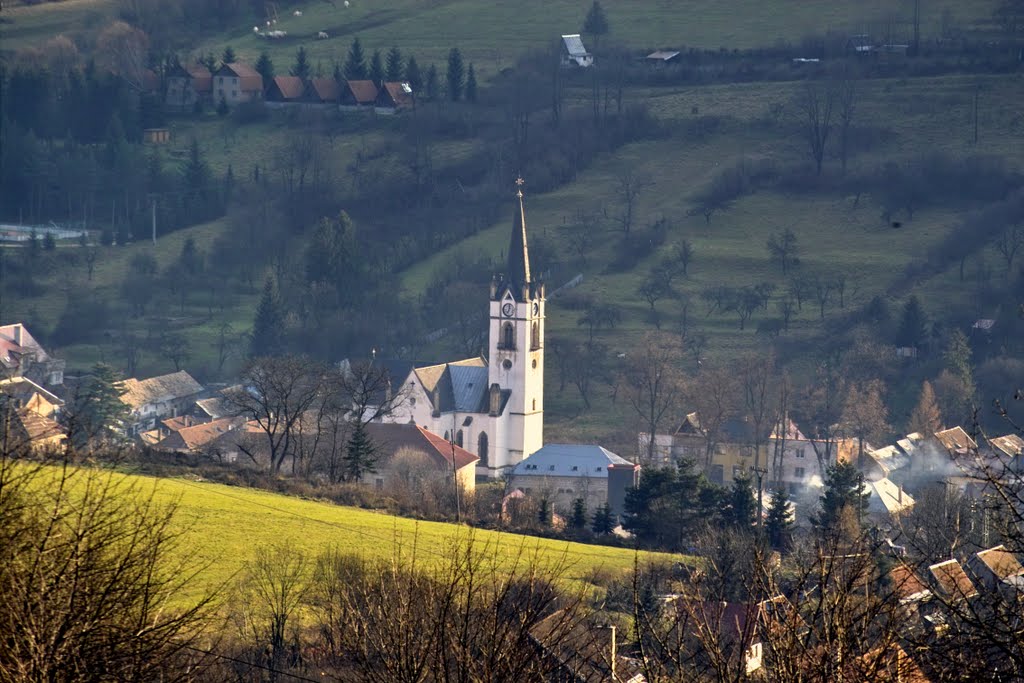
(815, 104)
(654, 385)
(630, 186)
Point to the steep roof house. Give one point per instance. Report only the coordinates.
(285, 90)
(22, 356)
(323, 90)
(156, 398)
(951, 581)
(394, 96)
(196, 437)
(30, 396)
(561, 473)
(998, 568)
(402, 447)
(237, 82)
(23, 431)
(358, 94)
(573, 53)
(187, 84)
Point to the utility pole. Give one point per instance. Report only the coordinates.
(977, 91)
(455, 473)
(154, 219)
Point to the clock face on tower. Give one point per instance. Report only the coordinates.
(508, 309)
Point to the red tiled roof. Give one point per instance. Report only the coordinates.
(906, 584)
(397, 95)
(393, 437)
(249, 79)
(197, 436)
(952, 579)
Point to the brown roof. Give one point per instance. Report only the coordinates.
(289, 87)
(249, 78)
(157, 389)
(15, 341)
(952, 580)
(396, 95)
(202, 79)
(197, 436)
(324, 89)
(391, 438)
(906, 585)
(1011, 444)
(23, 389)
(28, 427)
(363, 92)
(956, 439)
(1001, 562)
(176, 424)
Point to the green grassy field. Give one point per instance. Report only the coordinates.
(222, 526)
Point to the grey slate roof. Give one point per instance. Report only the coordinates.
(574, 45)
(570, 460)
(469, 388)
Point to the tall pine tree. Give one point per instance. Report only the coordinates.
(926, 418)
(376, 68)
(355, 64)
(301, 68)
(778, 523)
(265, 68)
(596, 24)
(268, 327)
(97, 413)
(360, 454)
(844, 491)
(578, 520)
(471, 85)
(456, 75)
(603, 522)
(413, 76)
(393, 65)
(742, 510)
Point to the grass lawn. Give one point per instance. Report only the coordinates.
(223, 525)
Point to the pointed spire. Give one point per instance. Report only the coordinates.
(518, 271)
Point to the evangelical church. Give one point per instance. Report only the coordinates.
(493, 406)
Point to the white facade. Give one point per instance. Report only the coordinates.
(494, 406)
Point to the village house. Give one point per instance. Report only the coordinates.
(285, 90)
(236, 83)
(407, 453)
(26, 394)
(573, 54)
(156, 398)
(662, 57)
(393, 96)
(951, 581)
(561, 473)
(22, 356)
(581, 650)
(187, 85)
(325, 90)
(355, 94)
(24, 431)
(196, 438)
(998, 569)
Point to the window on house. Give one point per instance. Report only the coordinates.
(597, 469)
(551, 468)
(380, 484)
(801, 453)
(799, 472)
(575, 468)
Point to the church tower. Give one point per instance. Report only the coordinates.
(516, 350)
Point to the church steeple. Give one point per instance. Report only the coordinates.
(517, 273)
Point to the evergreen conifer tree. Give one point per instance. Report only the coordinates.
(265, 68)
(958, 359)
(844, 490)
(741, 512)
(602, 522)
(778, 523)
(596, 23)
(97, 412)
(301, 68)
(268, 327)
(360, 454)
(355, 64)
(544, 512)
(413, 76)
(471, 85)
(432, 85)
(456, 75)
(578, 520)
(376, 68)
(49, 243)
(393, 65)
(913, 325)
(228, 57)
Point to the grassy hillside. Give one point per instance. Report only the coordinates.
(222, 526)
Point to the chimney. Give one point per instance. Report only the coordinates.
(17, 334)
(495, 400)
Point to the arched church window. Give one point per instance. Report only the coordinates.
(458, 438)
(535, 336)
(508, 337)
(481, 449)
(447, 435)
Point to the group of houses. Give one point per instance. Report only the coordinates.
(237, 83)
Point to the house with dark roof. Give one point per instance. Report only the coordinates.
(573, 54)
(356, 94)
(951, 581)
(323, 90)
(24, 431)
(237, 82)
(998, 569)
(561, 473)
(22, 356)
(188, 84)
(285, 90)
(394, 96)
(156, 398)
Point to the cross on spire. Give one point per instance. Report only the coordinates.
(519, 186)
